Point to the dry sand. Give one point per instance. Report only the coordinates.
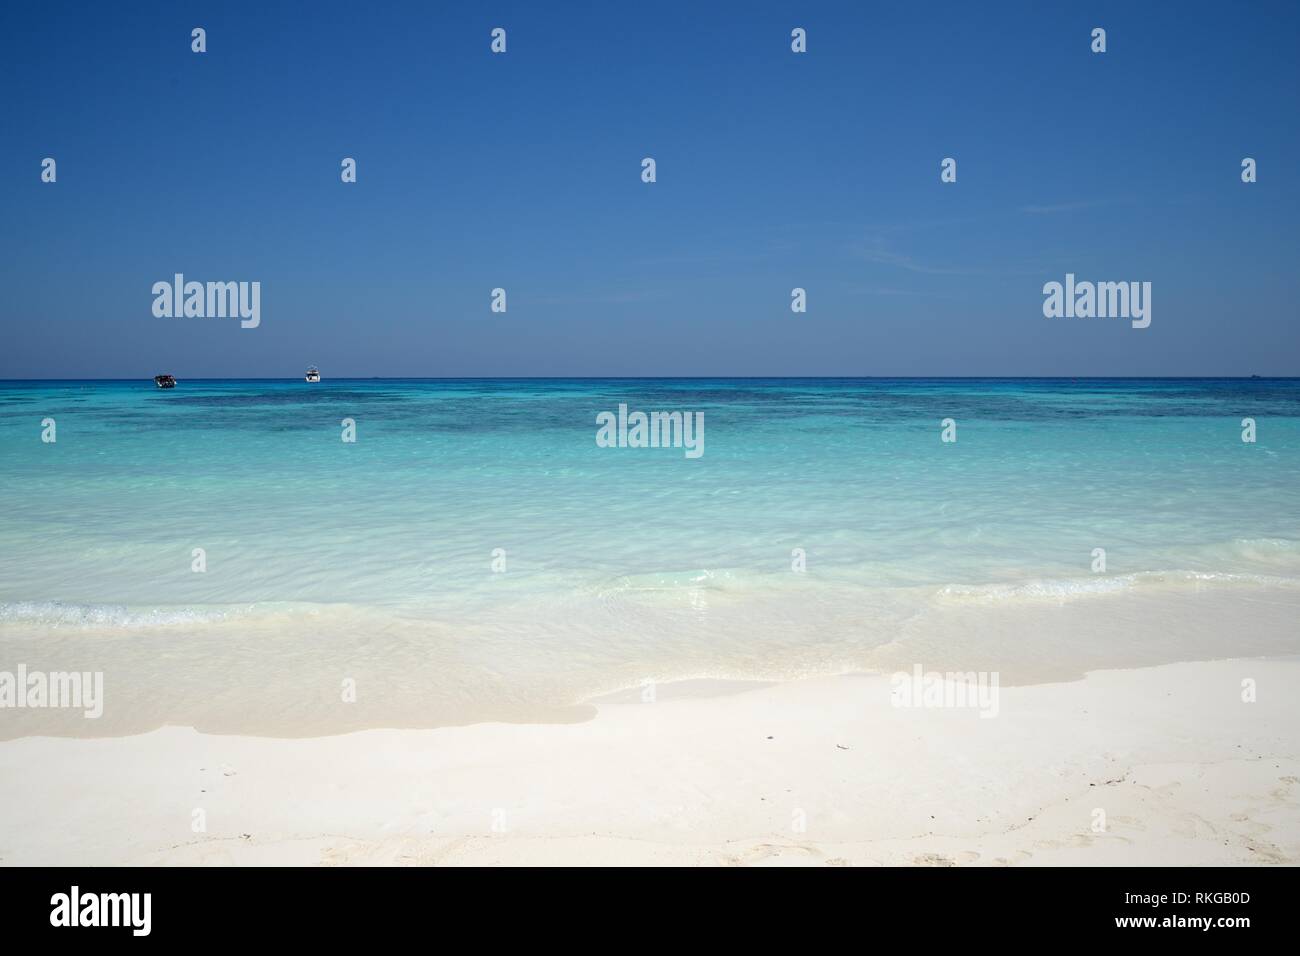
(817, 772)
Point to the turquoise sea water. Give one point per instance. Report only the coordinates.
(374, 560)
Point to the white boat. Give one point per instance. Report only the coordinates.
(313, 375)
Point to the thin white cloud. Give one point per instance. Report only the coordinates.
(1049, 209)
(876, 251)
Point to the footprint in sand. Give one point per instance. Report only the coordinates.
(938, 859)
(763, 853)
(1267, 853)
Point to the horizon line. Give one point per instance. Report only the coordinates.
(600, 378)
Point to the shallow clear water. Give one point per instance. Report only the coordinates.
(326, 558)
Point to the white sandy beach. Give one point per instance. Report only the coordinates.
(1184, 770)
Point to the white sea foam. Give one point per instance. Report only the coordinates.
(1069, 589)
(54, 614)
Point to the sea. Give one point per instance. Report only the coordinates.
(229, 561)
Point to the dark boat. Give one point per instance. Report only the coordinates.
(164, 381)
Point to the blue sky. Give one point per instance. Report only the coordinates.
(775, 170)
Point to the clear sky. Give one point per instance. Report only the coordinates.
(523, 171)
